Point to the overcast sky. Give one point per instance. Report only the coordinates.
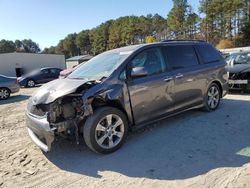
(48, 21)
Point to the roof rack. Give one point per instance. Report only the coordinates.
(183, 40)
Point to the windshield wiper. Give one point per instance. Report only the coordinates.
(103, 78)
(77, 78)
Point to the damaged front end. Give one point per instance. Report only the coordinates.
(239, 80)
(59, 113)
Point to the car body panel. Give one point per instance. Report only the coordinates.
(55, 89)
(10, 83)
(151, 97)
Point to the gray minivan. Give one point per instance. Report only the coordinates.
(124, 88)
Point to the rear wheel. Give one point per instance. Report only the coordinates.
(30, 83)
(4, 93)
(212, 98)
(106, 130)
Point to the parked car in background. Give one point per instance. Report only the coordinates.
(127, 87)
(239, 71)
(40, 76)
(64, 73)
(8, 85)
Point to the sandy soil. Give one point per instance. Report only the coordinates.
(194, 149)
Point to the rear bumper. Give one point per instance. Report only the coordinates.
(39, 131)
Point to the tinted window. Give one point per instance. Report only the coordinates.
(180, 56)
(151, 60)
(55, 71)
(208, 54)
(45, 71)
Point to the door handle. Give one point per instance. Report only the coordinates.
(168, 79)
(179, 76)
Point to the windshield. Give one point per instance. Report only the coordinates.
(100, 66)
(239, 58)
(242, 58)
(230, 57)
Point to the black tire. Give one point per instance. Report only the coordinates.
(30, 83)
(4, 93)
(207, 105)
(90, 133)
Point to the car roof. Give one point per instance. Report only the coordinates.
(133, 48)
(127, 49)
(48, 68)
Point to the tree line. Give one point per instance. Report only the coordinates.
(26, 45)
(224, 23)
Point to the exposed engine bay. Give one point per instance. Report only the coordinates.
(239, 80)
(65, 108)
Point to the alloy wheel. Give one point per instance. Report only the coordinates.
(4, 93)
(213, 97)
(109, 131)
(31, 83)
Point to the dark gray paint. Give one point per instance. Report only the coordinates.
(144, 99)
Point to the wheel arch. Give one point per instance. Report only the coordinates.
(99, 102)
(6, 88)
(219, 85)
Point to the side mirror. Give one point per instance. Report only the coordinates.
(138, 72)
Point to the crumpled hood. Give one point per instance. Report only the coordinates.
(238, 68)
(56, 89)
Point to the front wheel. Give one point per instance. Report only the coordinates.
(30, 83)
(106, 130)
(212, 98)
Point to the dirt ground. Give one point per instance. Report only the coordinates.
(194, 149)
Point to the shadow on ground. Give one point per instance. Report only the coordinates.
(180, 147)
(14, 99)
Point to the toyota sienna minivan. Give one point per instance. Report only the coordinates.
(124, 88)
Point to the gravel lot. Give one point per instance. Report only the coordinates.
(194, 149)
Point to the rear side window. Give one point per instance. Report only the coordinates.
(208, 54)
(180, 56)
(55, 71)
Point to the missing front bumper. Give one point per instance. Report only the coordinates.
(39, 131)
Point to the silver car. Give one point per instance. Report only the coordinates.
(8, 85)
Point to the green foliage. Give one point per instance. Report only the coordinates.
(177, 18)
(50, 50)
(30, 46)
(26, 45)
(83, 42)
(245, 37)
(223, 19)
(69, 44)
(7, 46)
